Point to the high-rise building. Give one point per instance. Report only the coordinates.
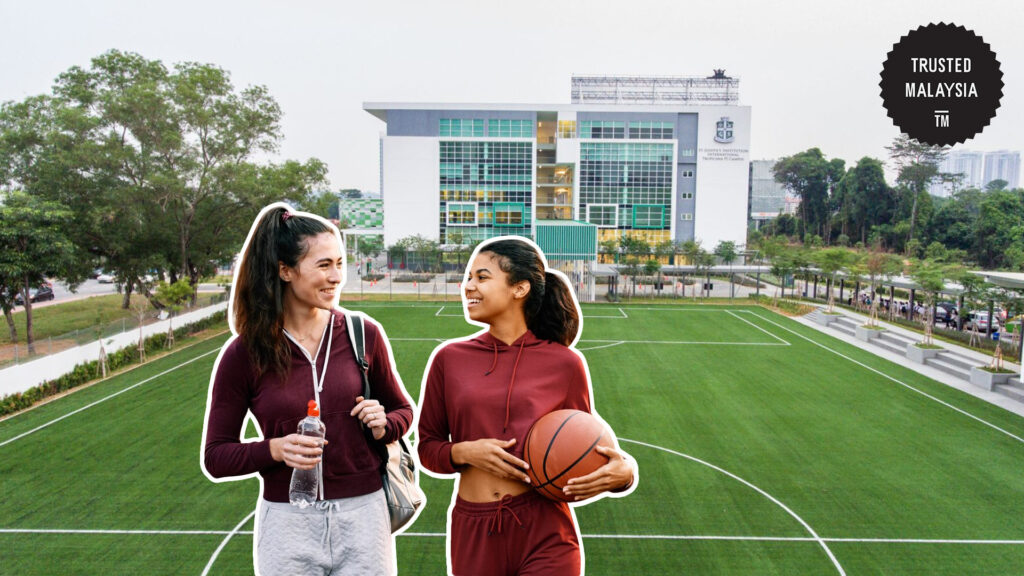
(1002, 165)
(672, 167)
(966, 163)
(767, 197)
(977, 169)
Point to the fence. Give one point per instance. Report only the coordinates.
(18, 353)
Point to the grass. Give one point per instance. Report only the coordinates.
(831, 431)
(65, 318)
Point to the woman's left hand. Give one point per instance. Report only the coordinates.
(614, 475)
(372, 414)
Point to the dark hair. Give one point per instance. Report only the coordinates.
(550, 308)
(279, 235)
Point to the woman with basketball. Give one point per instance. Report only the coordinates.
(292, 345)
(480, 397)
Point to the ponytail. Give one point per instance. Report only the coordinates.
(278, 235)
(556, 318)
(550, 308)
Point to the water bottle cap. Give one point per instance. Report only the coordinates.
(312, 410)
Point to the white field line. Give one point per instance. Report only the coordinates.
(224, 543)
(601, 346)
(592, 536)
(104, 399)
(814, 535)
(418, 339)
(783, 343)
(756, 326)
(622, 315)
(901, 383)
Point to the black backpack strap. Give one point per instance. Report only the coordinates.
(357, 336)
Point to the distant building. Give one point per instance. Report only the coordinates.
(977, 169)
(767, 197)
(658, 158)
(964, 162)
(1002, 165)
(362, 212)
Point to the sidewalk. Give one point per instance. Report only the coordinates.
(952, 381)
(21, 377)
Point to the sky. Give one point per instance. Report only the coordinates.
(808, 70)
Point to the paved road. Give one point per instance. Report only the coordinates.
(89, 288)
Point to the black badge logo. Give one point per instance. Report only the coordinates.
(941, 84)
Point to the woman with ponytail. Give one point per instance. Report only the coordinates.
(291, 345)
(481, 394)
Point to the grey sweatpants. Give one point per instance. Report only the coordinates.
(344, 537)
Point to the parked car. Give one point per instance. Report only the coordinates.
(979, 319)
(43, 292)
(105, 278)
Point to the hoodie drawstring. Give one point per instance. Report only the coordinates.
(495, 363)
(511, 382)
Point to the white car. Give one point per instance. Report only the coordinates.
(105, 278)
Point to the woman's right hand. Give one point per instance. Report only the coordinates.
(490, 455)
(297, 451)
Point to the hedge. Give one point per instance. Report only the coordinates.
(89, 371)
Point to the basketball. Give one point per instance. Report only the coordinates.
(561, 446)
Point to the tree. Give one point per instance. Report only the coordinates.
(33, 246)
(831, 261)
(811, 177)
(930, 276)
(173, 296)
(869, 199)
(877, 266)
(1000, 225)
(918, 165)
(610, 246)
(997, 184)
(323, 203)
(636, 251)
(352, 193)
(726, 252)
(168, 155)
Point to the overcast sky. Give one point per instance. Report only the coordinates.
(809, 70)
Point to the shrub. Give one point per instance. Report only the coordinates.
(88, 371)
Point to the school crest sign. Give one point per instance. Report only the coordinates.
(724, 130)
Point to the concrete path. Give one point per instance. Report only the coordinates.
(982, 359)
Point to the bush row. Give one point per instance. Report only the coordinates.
(89, 371)
(788, 306)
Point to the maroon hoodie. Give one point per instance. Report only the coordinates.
(484, 388)
(351, 467)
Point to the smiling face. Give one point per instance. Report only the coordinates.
(489, 296)
(315, 281)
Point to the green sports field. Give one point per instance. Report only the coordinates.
(764, 447)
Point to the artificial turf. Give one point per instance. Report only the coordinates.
(755, 436)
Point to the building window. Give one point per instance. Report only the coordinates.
(687, 173)
(626, 173)
(509, 214)
(687, 152)
(603, 215)
(566, 128)
(602, 129)
(482, 174)
(648, 216)
(686, 217)
(651, 130)
(686, 195)
(461, 128)
(462, 214)
(510, 128)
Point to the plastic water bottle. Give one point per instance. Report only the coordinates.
(304, 488)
